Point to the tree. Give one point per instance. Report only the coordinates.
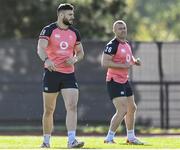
(25, 19)
(157, 20)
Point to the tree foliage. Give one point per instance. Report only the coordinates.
(157, 20)
(25, 18)
(146, 20)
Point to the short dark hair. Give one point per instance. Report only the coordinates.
(65, 6)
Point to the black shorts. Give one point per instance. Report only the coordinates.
(55, 81)
(119, 90)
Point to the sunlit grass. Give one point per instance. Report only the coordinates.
(89, 129)
(91, 142)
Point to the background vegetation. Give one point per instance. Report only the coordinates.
(152, 20)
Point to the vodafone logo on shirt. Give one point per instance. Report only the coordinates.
(128, 58)
(63, 45)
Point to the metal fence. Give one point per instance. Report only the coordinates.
(156, 84)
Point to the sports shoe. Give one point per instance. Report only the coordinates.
(135, 141)
(75, 144)
(109, 142)
(45, 145)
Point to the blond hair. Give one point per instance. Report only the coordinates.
(118, 22)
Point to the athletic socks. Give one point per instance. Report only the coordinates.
(110, 135)
(131, 135)
(71, 136)
(47, 138)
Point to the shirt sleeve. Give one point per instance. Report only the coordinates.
(45, 33)
(110, 49)
(78, 37)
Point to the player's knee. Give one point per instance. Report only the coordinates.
(48, 112)
(121, 111)
(72, 107)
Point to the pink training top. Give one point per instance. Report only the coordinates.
(61, 45)
(121, 52)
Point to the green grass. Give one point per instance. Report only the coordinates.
(87, 129)
(91, 142)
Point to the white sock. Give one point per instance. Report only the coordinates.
(46, 138)
(71, 136)
(110, 135)
(131, 135)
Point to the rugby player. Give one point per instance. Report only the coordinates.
(60, 48)
(117, 58)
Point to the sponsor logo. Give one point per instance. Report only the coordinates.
(123, 50)
(43, 32)
(76, 84)
(46, 88)
(57, 36)
(128, 58)
(63, 45)
(122, 92)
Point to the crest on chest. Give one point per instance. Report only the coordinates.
(123, 50)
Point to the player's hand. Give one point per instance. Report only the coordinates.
(138, 62)
(50, 65)
(71, 61)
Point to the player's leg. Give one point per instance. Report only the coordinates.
(130, 122)
(70, 97)
(51, 91)
(117, 94)
(131, 116)
(49, 104)
(120, 104)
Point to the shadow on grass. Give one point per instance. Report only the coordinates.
(145, 144)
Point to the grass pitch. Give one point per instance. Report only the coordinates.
(91, 142)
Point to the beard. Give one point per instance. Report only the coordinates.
(67, 22)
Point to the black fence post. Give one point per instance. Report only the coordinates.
(159, 45)
(167, 105)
